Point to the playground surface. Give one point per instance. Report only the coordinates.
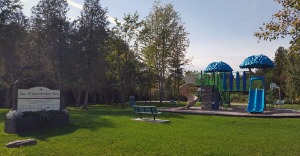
(237, 111)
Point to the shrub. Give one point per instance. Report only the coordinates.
(239, 98)
(14, 114)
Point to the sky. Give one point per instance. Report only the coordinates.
(219, 30)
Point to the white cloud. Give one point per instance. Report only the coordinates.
(75, 4)
(111, 19)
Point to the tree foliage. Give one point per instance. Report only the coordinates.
(50, 31)
(12, 35)
(163, 38)
(122, 58)
(286, 22)
(92, 33)
(88, 60)
(293, 79)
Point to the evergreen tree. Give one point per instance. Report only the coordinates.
(12, 34)
(50, 30)
(92, 33)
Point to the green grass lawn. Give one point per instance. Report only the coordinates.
(105, 130)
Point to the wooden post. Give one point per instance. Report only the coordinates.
(15, 97)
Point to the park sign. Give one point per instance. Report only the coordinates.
(38, 99)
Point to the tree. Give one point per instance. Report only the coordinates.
(177, 59)
(293, 79)
(92, 33)
(51, 31)
(75, 79)
(286, 22)
(162, 34)
(12, 34)
(118, 67)
(279, 73)
(123, 56)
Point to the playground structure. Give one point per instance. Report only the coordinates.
(185, 91)
(256, 98)
(214, 89)
(217, 82)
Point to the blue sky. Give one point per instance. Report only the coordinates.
(220, 30)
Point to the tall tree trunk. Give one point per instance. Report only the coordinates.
(86, 98)
(124, 89)
(8, 98)
(112, 99)
(123, 98)
(95, 98)
(77, 96)
(88, 85)
(62, 97)
(100, 97)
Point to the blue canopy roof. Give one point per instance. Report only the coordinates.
(257, 61)
(218, 67)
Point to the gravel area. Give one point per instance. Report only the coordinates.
(237, 111)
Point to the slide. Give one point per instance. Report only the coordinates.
(185, 91)
(256, 101)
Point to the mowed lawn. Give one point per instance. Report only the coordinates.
(104, 130)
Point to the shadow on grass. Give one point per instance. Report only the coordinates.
(128, 111)
(93, 119)
(117, 111)
(76, 123)
(79, 120)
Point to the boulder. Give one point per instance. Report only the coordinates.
(18, 143)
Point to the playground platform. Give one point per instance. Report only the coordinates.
(237, 111)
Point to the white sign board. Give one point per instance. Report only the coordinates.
(34, 105)
(38, 93)
(37, 99)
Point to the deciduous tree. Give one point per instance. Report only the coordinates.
(124, 56)
(286, 22)
(163, 38)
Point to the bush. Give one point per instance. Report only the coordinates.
(13, 115)
(290, 101)
(238, 98)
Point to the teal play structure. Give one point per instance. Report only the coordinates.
(224, 81)
(217, 82)
(221, 84)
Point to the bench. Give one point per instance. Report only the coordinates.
(146, 110)
(173, 102)
(279, 102)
